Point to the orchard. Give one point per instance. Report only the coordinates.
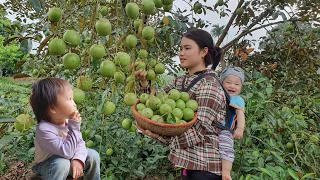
(99, 45)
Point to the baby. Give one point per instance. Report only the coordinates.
(232, 79)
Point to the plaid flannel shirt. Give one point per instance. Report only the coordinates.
(198, 148)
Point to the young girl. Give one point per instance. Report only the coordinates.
(59, 148)
(197, 150)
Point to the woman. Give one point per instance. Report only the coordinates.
(197, 150)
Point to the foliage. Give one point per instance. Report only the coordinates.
(14, 99)
(5, 23)
(136, 156)
(282, 136)
(279, 142)
(9, 57)
(14, 96)
(290, 61)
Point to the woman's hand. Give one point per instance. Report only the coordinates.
(141, 75)
(226, 176)
(148, 133)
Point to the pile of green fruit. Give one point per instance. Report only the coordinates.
(173, 108)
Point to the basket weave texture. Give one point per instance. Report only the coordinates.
(161, 128)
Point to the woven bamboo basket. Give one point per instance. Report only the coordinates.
(162, 128)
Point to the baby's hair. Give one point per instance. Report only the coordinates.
(44, 95)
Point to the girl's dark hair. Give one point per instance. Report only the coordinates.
(204, 39)
(44, 95)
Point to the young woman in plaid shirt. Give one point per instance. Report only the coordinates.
(197, 150)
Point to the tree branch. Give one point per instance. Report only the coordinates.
(226, 29)
(261, 16)
(227, 46)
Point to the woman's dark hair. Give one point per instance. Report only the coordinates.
(44, 95)
(204, 39)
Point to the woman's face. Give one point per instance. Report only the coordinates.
(191, 57)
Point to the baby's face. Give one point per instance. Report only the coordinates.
(232, 84)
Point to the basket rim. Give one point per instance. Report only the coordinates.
(188, 124)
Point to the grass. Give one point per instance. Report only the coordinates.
(14, 96)
(10, 85)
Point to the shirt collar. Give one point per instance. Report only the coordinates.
(198, 72)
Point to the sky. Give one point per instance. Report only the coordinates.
(214, 18)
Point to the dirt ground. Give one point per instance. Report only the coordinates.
(18, 171)
(24, 80)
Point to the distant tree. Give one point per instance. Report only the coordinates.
(10, 55)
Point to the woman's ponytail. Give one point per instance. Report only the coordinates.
(216, 55)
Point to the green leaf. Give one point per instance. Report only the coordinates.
(269, 90)
(6, 139)
(260, 80)
(277, 156)
(26, 46)
(265, 171)
(248, 177)
(114, 161)
(7, 119)
(171, 119)
(139, 173)
(262, 95)
(293, 174)
(124, 169)
(307, 175)
(37, 5)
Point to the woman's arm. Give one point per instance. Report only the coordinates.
(160, 139)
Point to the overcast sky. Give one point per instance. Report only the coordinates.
(214, 18)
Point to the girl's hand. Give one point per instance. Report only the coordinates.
(148, 133)
(75, 116)
(76, 168)
(238, 133)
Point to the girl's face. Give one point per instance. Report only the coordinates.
(232, 84)
(191, 57)
(64, 107)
